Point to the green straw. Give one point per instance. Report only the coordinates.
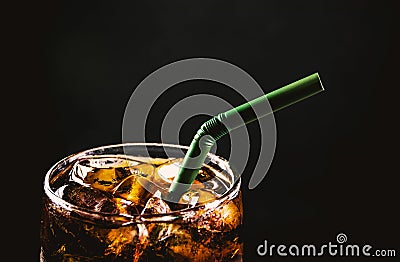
(223, 123)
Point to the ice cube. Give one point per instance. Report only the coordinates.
(190, 198)
(205, 196)
(133, 189)
(224, 218)
(197, 195)
(89, 198)
(155, 205)
(121, 240)
(182, 243)
(230, 215)
(142, 170)
(166, 172)
(104, 173)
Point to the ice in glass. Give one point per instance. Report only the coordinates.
(106, 204)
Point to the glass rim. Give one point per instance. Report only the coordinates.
(136, 218)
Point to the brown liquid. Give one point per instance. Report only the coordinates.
(117, 186)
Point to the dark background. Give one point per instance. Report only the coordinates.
(335, 167)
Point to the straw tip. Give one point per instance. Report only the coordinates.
(321, 86)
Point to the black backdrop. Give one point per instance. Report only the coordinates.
(335, 167)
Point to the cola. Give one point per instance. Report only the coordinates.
(109, 205)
